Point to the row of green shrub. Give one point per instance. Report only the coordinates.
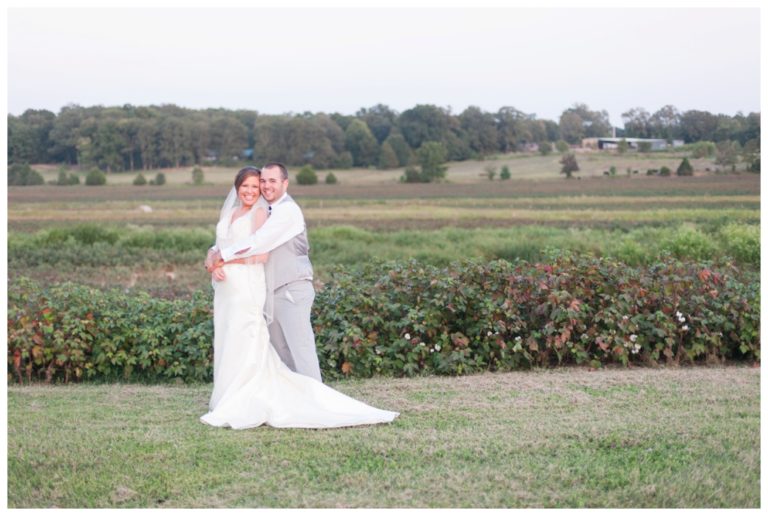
(103, 246)
(21, 174)
(407, 318)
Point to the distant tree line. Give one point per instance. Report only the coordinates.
(690, 126)
(130, 138)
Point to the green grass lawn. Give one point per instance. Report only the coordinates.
(556, 438)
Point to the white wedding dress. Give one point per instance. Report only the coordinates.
(252, 386)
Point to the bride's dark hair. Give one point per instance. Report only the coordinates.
(245, 173)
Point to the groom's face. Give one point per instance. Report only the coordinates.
(273, 186)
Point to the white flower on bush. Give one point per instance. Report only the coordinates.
(437, 347)
(407, 336)
(518, 339)
(685, 328)
(626, 318)
(636, 349)
(633, 337)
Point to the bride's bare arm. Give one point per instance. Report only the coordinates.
(259, 218)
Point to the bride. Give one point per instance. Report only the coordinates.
(251, 385)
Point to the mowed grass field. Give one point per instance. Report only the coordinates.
(560, 438)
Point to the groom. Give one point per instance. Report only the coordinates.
(284, 237)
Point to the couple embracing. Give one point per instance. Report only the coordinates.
(266, 369)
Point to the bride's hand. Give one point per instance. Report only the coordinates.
(218, 274)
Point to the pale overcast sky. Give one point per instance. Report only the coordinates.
(274, 61)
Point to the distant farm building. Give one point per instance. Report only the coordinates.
(632, 143)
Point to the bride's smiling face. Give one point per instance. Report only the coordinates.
(248, 193)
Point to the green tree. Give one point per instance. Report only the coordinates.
(330, 179)
(571, 127)
(65, 179)
(703, 149)
(665, 123)
(228, 139)
(562, 146)
(698, 125)
(159, 179)
(198, 177)
(95, 178)
(424, 123)
(750, 154)
(140, 180)
(728, 153)
(388, 157)
(637, 123)
(400, 146)
(490, 171)
(361, 143)
(380, 119)
(505, 174)
(29, 136)
(479, 131)
(622, 146)
(568, 161)
(685, 168)
(432, 156)
(21, 174)
(306, 175)
(545, 148)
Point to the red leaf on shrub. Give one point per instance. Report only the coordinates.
(37, 338)
(346, 368)
(532, 345)
(575, 305)
(705, 275)
(459, 339)
(602, 345)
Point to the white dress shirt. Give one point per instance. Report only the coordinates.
(284, 222)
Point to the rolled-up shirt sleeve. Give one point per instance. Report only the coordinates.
(285, 223)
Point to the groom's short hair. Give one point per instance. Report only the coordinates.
(277, 164)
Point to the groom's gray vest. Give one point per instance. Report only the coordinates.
(290, 261)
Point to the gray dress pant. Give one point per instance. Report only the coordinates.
(291, 330)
